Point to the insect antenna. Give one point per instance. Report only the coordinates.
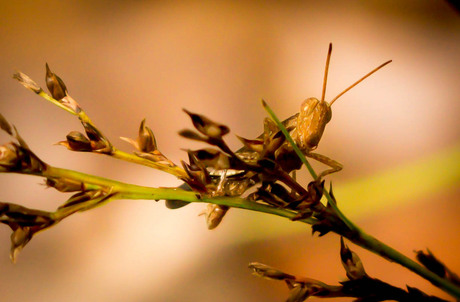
(359, 81)
(326, 70)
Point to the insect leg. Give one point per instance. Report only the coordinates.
(335, 166)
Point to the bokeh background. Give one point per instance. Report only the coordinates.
(397, 135)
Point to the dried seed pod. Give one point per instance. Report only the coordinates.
(198, 178)
(99, 143)
(25, 223)
(209, 157)
(55, 84)
(156, 156)
(214, 214)
(65, 184)
(146, 140)
(77, 141)
(27, 82)
(207, 126)
(265, 271)
(16, 158)
(351, 262)
(256, 145)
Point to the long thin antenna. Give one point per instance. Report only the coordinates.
(326, 72)
(359, 81)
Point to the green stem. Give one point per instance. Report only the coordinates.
(130, 191)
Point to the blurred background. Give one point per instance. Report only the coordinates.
(397, 135)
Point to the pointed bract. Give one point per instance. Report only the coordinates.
(55, 85)
(207, 126)
(351, 262)
(146, 140)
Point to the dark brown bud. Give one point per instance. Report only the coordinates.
(198, 177)
(64, 184)
(322, 227)
(81, 197)
(55, 85)
(209, 157)
(192, 135)
(24, 222)
(431, 262)
(315, 191)
(351, 262)
(99, 142)
(207, 126)
(281, 192)
(77, 141)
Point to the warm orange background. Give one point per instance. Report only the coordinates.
(126, 60)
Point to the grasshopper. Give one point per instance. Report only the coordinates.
(307, 127)
(310, 122)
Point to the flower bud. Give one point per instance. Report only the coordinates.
(55, 85)
(351, 262)
(65, 184)
(76, 141)
(99, 143)
(146, 140)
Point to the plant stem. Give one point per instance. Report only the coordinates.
(130, 191)
(374, 245)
